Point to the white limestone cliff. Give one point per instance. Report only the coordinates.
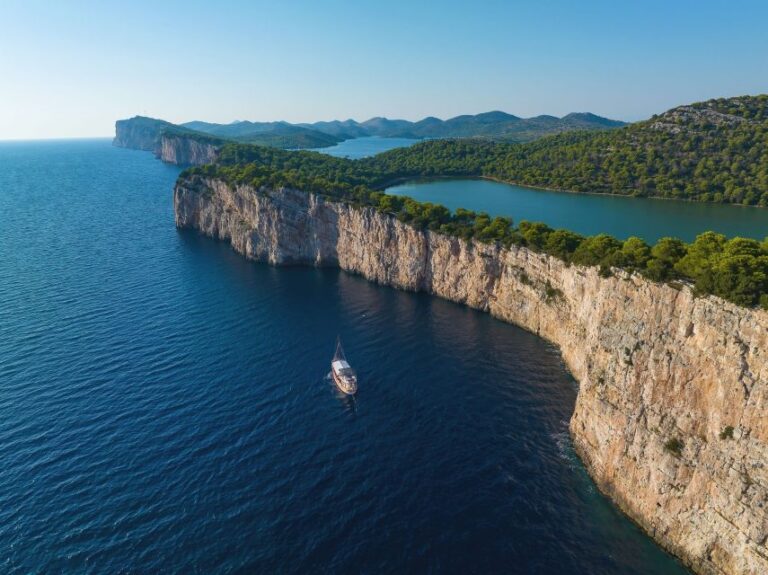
(655, 364)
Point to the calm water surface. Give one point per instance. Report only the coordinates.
(592, 214)
(164, 407)
(363, 147)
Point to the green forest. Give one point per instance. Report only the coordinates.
(713, 151)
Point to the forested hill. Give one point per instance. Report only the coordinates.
(145, 132)
(498, 126)
(492, 125)
(713, 151)
(276, 134)
(710, 151)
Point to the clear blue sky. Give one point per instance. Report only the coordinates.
(72, 68)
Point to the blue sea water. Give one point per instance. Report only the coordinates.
(164, 406)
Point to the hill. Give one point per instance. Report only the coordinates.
(708, 151)
(714, 151)
(144, 133)
(492, 125)
(277, 134)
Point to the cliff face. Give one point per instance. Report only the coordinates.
(149, 134)
(662, 374)
(136, 135)
(185, 151)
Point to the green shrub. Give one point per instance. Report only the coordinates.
(552, 293)
(727, 432)
(674, 446)
(634, 254)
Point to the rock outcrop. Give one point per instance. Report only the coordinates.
(184, 151)
(166, 141)
(670, 418)
(138, 133)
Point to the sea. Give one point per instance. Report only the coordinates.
(165, 405)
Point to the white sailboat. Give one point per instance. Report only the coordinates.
(343, 375)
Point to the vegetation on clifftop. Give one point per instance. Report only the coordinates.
(723, 146)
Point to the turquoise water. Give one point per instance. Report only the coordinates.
(363, 147)
(591, 214)
(164, 406)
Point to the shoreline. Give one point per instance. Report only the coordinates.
(650, 359)
(424, 179)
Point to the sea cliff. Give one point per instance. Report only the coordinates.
(184, 151)
(162, 139)
(136, 134)
(670, 416)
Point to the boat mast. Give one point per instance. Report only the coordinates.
(339, 350)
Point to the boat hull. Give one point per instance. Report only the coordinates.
(343, 386)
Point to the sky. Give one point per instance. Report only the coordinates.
(70, 69)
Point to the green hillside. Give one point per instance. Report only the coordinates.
(711, 151)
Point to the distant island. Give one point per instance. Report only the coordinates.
(145, 133)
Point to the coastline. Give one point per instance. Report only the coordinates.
(405, 180)
(652, 360)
